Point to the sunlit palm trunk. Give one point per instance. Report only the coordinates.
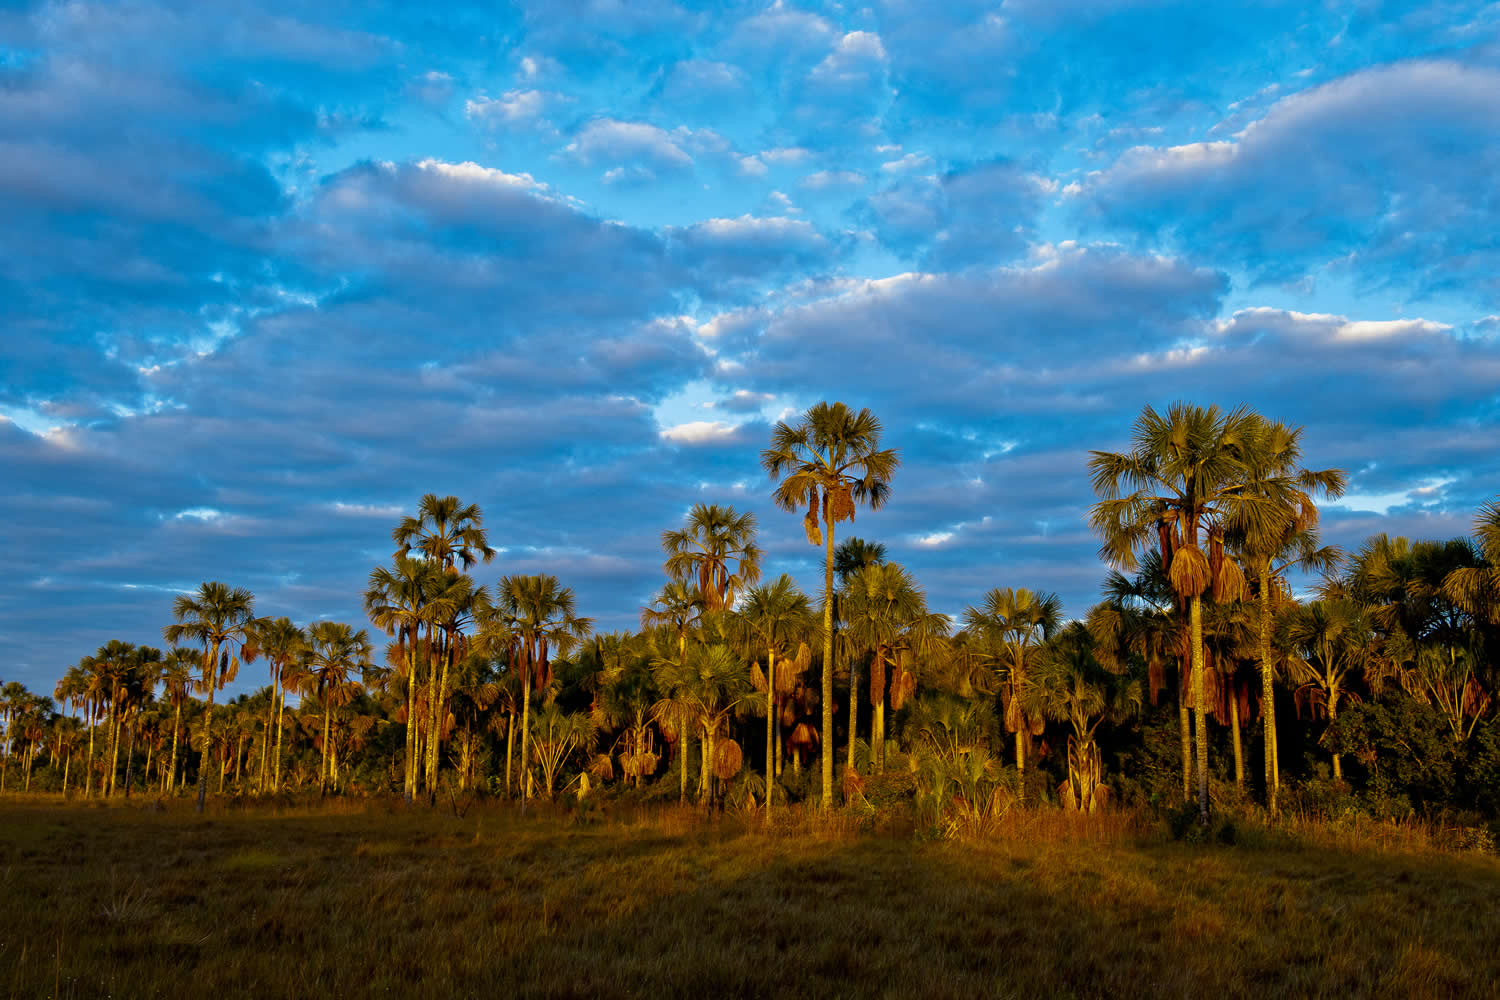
(176, 728)
(276, 761)
(435, 732)
(1333, 715)
(208, 714)
(684, 742)
(770, 728)
(706, 793)
(1234, 722)
(1200, 716)
(510, 749)
(826, 751)
(877, 727)
(88, 771)
(853, 709)
(115, 723)
(1267, 689)
(67, 766)
(526, 729)
(1184, 723)
(410, 785)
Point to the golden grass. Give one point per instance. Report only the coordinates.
(368, 899)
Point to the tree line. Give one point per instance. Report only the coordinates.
(1199, 658)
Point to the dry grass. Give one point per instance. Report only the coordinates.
(370, 900)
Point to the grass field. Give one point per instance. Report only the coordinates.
(370, 900)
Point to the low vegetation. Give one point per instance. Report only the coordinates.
(373, 899)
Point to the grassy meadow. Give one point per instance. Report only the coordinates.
(369, 899)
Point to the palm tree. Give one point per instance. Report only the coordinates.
(1180, 485)
(704, 688)
(1014, 624)
(1068, 684)
(540, 618)
(282, 643)
(177, 681)
(333, 650)
(556, 735)
(701, 552)
(829, 462)
(399, 600)
(776, 616)
(885, 614)
(680, 606)
(445, 529)
(1278, 541)
(853, 555)
(1332, 640)
(219, 617)
(1476, 589)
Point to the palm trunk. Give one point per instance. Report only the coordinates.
(1333, 715)
(770, 728)
(1021, 733)
(327, 730)
(146, 772)
(1234, 722)
(67, 766)
(526, 725)
(877, 729)
(436, 731)
(208, 714)
(1200, 716)
(706, 792)
(510, 748)
(853, 709)
(276, 761)
(1184, 724)
(410, 783)
(684, 740)
(1267, 689)
(176, 727)
(88, 771)
(826, 751)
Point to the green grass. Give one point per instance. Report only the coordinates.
(369, 900)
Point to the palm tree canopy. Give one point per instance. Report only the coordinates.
(702, 551)
(445, 529)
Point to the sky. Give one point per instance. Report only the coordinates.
(268, 274)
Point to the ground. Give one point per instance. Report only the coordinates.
(368, 899)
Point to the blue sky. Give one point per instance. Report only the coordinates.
(268, 274)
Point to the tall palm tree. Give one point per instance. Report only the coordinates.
(444, 530)
(219, 617)
(775, 617)
(177, 682)
(829, 462)
(333, 650)
(400, 600)
(541, 618)
(705, 687)
(282, 643)
(1476, 589)
(1181, 485)
(702, 550)
(1014, 624)
(1276, 541)
(886, 616)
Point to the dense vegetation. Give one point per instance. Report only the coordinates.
(1199, 682)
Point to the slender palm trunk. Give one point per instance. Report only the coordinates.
(877, 726)
(88, 771)
(526, 727)
(327, 730)
(410, 783)
(826, 751)
(770, 728)
(276, 760)
(436, 731)
(1184, 723)
(1333, 715)
(1267, 688)
(510, 749)
(208, 714)
(1234, 722)
(684, 741)
(853, 709)
(176, 728)
(706, 781)
(67, 766)
(1200, 716)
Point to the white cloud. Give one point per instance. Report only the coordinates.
(699, 432)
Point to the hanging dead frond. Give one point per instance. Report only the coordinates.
(903, 686)
(853, 784)
(788, 713)
(728, 759)
(1229, 582)
(1013, 717)
(1036, 724)
(602, 767)
(841, 502)
(1156, 678)
(810, 519)
(804, 737)
(1190, 574)
(758, 677)
(804, 657)
(877, 679)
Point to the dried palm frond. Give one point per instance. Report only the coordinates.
(757, 677)
(788, 713)
(1190, 573)
(728, 759)
(804, 736)
(811, 529)
(1229, 582)
(804, 657)
(841, 503)
(877, 680)
(852, 784)
(602, 767)
(1013, 718)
